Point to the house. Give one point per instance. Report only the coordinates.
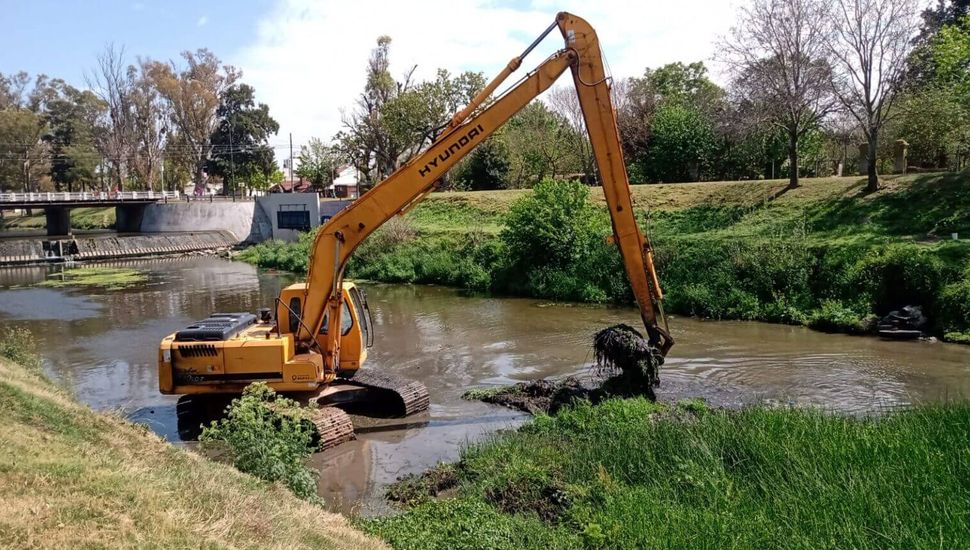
(298, 185)
(346, 185)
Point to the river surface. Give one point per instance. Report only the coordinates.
(102, 345)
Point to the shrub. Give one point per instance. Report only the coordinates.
(18, 345)
(266, 437)
(834, 316)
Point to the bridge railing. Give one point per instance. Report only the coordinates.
(89, 196)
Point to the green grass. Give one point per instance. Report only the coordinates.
(109, 278)
(73, 478)
(630, 474)
(826, 254)
(81, 218)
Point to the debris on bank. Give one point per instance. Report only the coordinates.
(626, 366)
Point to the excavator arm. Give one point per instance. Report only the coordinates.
(337, 240)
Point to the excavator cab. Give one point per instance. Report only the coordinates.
(356, 323)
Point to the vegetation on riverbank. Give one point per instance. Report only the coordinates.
(81, 219)
(70, 477)
(633, 474)
(826, 254)
(108, 278)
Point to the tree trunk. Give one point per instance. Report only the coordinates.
(199, 182)
(872, 184)
(792, 160)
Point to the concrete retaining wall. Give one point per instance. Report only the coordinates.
(235, 217)
(97, 247)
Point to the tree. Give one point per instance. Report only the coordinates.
(487, 167)
(193, 95)
(393, 120)
(778, 57)
(871, 44)
(23, 154)
(112, 82)
(319, 162)
(682, 143)
(564, 101)
(149, 113)
(70, 115)
(538, 141)
(240, 142)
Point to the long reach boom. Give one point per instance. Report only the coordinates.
(338, 239)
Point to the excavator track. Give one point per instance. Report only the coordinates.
(409, 396)
(331, 427)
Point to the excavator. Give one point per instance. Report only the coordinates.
(314, 348)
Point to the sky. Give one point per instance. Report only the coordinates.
(306, 59)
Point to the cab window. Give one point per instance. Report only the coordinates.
(346, 321)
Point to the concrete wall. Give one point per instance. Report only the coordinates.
(248, 221)
(236, 217)
(275, 202)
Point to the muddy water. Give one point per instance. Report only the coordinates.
(102, 344)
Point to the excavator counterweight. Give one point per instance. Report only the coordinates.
(317, 343)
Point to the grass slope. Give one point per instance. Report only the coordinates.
(628, 474)
(70, 477)
(826, 254)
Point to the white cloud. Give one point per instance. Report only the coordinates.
(308, 57)
(202, 21)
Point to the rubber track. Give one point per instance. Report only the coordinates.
(413, 394)
(332, 425)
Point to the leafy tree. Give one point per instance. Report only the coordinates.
(538, 141)
(193, 94)
(23, 154)
(487, 167)
(393, 120)
(240, 142)
(319, 162)
(71, 115)
(682, 143)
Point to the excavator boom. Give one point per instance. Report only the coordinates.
(323, 327)
(337, 240)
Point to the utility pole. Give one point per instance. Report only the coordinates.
(232, 163)
(291, 161)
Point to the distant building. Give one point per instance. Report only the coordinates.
(346, 184)
(299, 185)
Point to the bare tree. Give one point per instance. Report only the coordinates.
(778, 57)
(871, 42)
(565, 102)
(193, 94)
(113, 84)
(149, 112)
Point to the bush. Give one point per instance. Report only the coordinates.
(834, 316)
(18, 345)
(266, 437)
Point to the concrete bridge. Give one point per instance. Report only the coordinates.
(129, 206)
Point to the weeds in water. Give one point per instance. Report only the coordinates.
(109, 278)
(266, 436)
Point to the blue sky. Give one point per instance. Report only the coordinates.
(306, 58)
(63, 38)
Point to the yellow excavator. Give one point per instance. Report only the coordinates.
(315, 347)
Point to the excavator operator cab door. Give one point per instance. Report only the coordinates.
(356, 331)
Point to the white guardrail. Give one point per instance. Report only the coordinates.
(88, 196)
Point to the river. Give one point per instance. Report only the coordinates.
(102, 345)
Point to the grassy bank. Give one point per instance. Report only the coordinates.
(81, 218)
(628, 474)
(826, 254)
(70, 477)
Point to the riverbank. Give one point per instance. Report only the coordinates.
(71, 477)
(633, 474)
(826, 255)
